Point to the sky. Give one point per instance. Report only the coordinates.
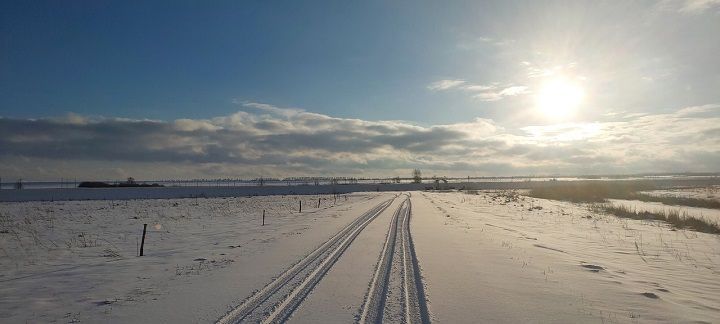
(193, 89)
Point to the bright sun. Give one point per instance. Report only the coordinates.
(559, 98)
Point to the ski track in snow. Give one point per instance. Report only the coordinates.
(396, 292)
(276, 301)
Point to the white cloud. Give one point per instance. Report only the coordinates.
(698, 6)
(513, 91)
(479, 87)
(483, 92)
(189, 125)
(687, 6)
(445, 85)
(696, 110)
(500, 94)
(488, 96)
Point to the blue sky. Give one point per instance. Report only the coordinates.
(171, 60)
(419, 69)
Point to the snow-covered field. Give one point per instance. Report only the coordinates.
(708, 214)
(708, 192)
(76, 261)
(488, 258)
(448, 257)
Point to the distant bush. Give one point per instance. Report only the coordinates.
(94, 184)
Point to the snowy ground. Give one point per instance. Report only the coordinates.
(485, 257)
(709, 192)
(708, 214)
(488, 258)
(76, 261)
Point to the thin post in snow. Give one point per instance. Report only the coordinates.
(318, 202)
(263, 220)
(142, 243)
(300, 209)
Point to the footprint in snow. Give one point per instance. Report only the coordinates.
(650, 295)
(592, 267)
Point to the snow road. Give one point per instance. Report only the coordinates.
(396, 291)
(286, 292)
(396, 275)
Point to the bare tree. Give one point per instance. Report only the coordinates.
(417, 176)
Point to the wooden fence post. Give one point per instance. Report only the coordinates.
(142, 243)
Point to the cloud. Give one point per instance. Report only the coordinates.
(687, 6)
(500, 94)
(699, 110)
(472, 42)
(513, 91)
(698, 6)
(266, 140)
(488, 96)
(445, 85)
(479, 87)
(484, 92)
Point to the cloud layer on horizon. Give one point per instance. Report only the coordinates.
(264, 140)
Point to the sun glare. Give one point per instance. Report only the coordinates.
(559, 98)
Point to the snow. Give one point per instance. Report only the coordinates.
(338, 297)
(706, 192)
(486, 260)
(485, 257)
(712, 215)
(76, 261)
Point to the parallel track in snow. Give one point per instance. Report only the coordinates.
(396, 291)
(278, 299)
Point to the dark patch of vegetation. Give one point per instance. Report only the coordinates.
(601, 191)
(590, 192)
(673, 217)
(97, 184)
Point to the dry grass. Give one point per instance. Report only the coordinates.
(673, 217)
(599, 192)
(590, 192)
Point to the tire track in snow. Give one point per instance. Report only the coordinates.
(375, 298)
(413, 308)
(278, 299)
